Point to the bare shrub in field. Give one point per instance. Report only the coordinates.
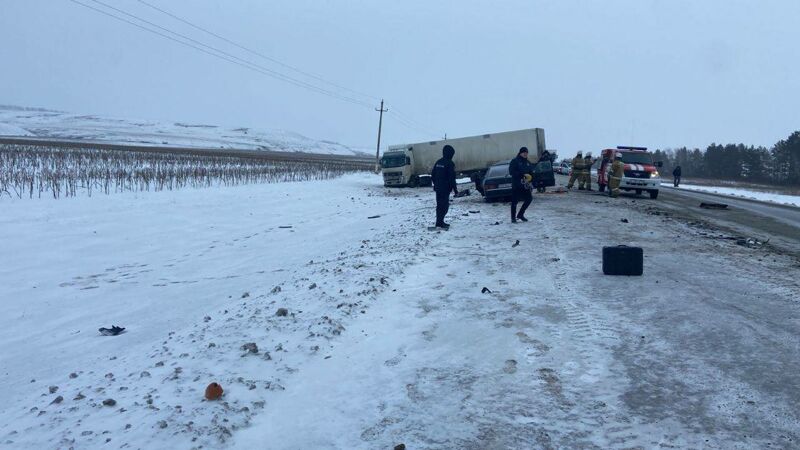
(28, 171)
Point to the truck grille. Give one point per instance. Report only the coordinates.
(636, 174)
(392, 178)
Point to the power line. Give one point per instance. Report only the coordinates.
(412, 123)
(407, 121)
(215, 52)
(219, 53)
(273, 72)
(254, 52)
(397, 118)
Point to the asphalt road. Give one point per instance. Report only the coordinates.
(779, 224)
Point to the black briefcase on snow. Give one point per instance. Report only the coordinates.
(623, 260)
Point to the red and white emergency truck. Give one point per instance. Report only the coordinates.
(641, 172)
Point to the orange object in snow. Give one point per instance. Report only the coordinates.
(213, 391)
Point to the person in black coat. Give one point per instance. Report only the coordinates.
(521, 171)
(676, 174)
(443, 177)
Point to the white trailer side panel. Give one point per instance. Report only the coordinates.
(478, 152)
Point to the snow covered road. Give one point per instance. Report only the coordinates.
(692, 355)
(388, 337)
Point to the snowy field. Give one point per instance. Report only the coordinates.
(772, 197)
(33, 122)
(388, 337)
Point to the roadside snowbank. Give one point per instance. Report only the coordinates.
(783, 199)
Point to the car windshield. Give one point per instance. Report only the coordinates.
(497, 171)
(393, 161)
(637, 158)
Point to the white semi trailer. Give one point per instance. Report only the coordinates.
(411, 164)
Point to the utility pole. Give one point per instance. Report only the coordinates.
(378, 149)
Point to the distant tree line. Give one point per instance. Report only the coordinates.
(778, 165)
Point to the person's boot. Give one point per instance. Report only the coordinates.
(522, 218)
(444, 225)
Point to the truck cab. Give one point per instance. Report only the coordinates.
(397, 166)
(641, 172)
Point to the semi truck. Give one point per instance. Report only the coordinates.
(410, 164)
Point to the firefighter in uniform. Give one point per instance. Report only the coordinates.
(443, 177)
(602, 172)
(617, 171)
(577, 170)
(587, 171)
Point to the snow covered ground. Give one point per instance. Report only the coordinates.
(17, 121)
(387, 336)
(12, 130)
(772, 197)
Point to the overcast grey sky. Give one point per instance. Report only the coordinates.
(592, 73)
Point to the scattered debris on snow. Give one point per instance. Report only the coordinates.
(713, 205)
(113, 331)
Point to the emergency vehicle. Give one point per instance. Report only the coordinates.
(641, 172)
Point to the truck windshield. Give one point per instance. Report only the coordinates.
(637, 158)
(393, 161)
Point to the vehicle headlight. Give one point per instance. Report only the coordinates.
(654, 174)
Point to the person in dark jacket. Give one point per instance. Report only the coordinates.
(521, 171)
(676, 174)
(443, 177)
(546, 156)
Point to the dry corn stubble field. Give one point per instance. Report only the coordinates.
(37, 171)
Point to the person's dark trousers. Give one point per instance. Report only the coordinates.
(518, 195)
(442, 206)
(677, 181)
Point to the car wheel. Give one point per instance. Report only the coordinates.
(654, 194)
